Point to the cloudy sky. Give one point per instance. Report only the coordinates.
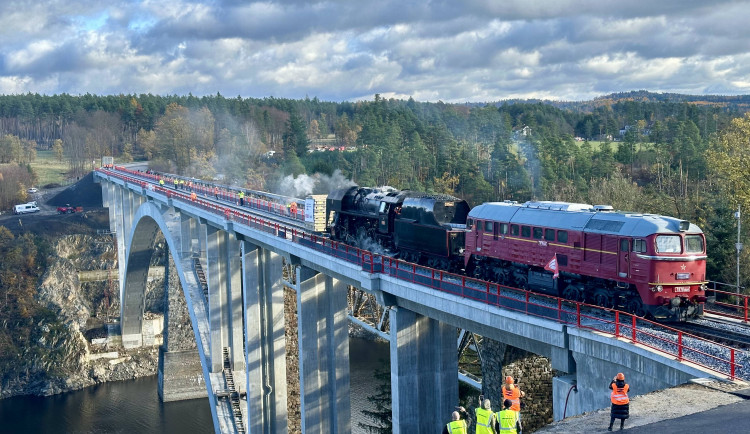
(449, 50)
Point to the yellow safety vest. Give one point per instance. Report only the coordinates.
(242, 195)
(507, 419)
(484, 422)
(457, 427)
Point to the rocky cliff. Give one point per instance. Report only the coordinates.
(71, 350)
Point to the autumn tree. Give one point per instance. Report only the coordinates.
(313, 130)
(729, 160)
(10, 149)
(57, 148)
(446, 184)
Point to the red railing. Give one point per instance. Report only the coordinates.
(638, 330)
(729, 304)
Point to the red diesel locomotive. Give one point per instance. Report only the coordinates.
(646, 263)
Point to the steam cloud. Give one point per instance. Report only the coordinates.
(318, 183)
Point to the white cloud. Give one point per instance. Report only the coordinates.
(478, 50)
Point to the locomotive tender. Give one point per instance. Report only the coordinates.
(650, 264)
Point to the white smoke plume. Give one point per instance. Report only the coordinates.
(318, 183)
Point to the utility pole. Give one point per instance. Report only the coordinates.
(739, 248)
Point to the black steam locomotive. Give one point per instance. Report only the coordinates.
(423, 228)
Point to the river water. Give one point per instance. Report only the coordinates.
(134, 406)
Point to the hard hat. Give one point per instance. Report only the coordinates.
(456, 416)
(620, 376)
(487, 404)
(509, 379)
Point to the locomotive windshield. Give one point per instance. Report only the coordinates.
(693, 243)
(668, 244)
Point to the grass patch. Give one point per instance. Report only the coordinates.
(48, 170)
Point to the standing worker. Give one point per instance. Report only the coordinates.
(459, 423)
(242, 198)
(620, 400)
(507, 419)
(216, 192)
(485, 418)
(514, 394)
(161, 182)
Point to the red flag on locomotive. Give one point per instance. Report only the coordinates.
(552, 266)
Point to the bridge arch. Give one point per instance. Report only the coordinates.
(148, 221)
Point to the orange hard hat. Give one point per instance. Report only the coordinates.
(620, 376)
(509, 379)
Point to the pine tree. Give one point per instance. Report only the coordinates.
(381, 422)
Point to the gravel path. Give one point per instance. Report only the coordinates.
(654, 407)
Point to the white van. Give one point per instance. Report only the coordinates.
(26, 208)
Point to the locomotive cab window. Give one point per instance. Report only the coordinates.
(503, 228)
(488, 226)
(693, 244)
(526, 231)
(549, 234)
(639, 246)
(514, 230)
(480, 225)
(668, 244)
(469, 223)
(383, 207)
(538, 233)
(624, 245)
(562, 236)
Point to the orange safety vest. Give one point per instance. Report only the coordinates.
(515, 397)
(293, 207)
(620, 394)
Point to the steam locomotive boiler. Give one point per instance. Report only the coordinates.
(419, 227)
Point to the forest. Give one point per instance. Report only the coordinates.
(678, 155)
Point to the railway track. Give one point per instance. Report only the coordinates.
(714, 333)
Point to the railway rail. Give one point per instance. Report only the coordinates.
(715, 332)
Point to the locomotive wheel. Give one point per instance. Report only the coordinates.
(635, 306)
(478, 272)
(603, 299)
(501, 276)
(522, 282)
(573, 293)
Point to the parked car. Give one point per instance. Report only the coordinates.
(32, 190)
(67, 209)
(25, 208)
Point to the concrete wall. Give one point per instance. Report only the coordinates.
(599, 358)
(180, 376)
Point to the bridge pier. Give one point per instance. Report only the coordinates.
(216, 277)
(424, 362)
(234, 302)
(266, 343)
(180, 374)
(186, 233)
(323, 353)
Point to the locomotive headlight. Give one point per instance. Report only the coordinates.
(657, 288)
